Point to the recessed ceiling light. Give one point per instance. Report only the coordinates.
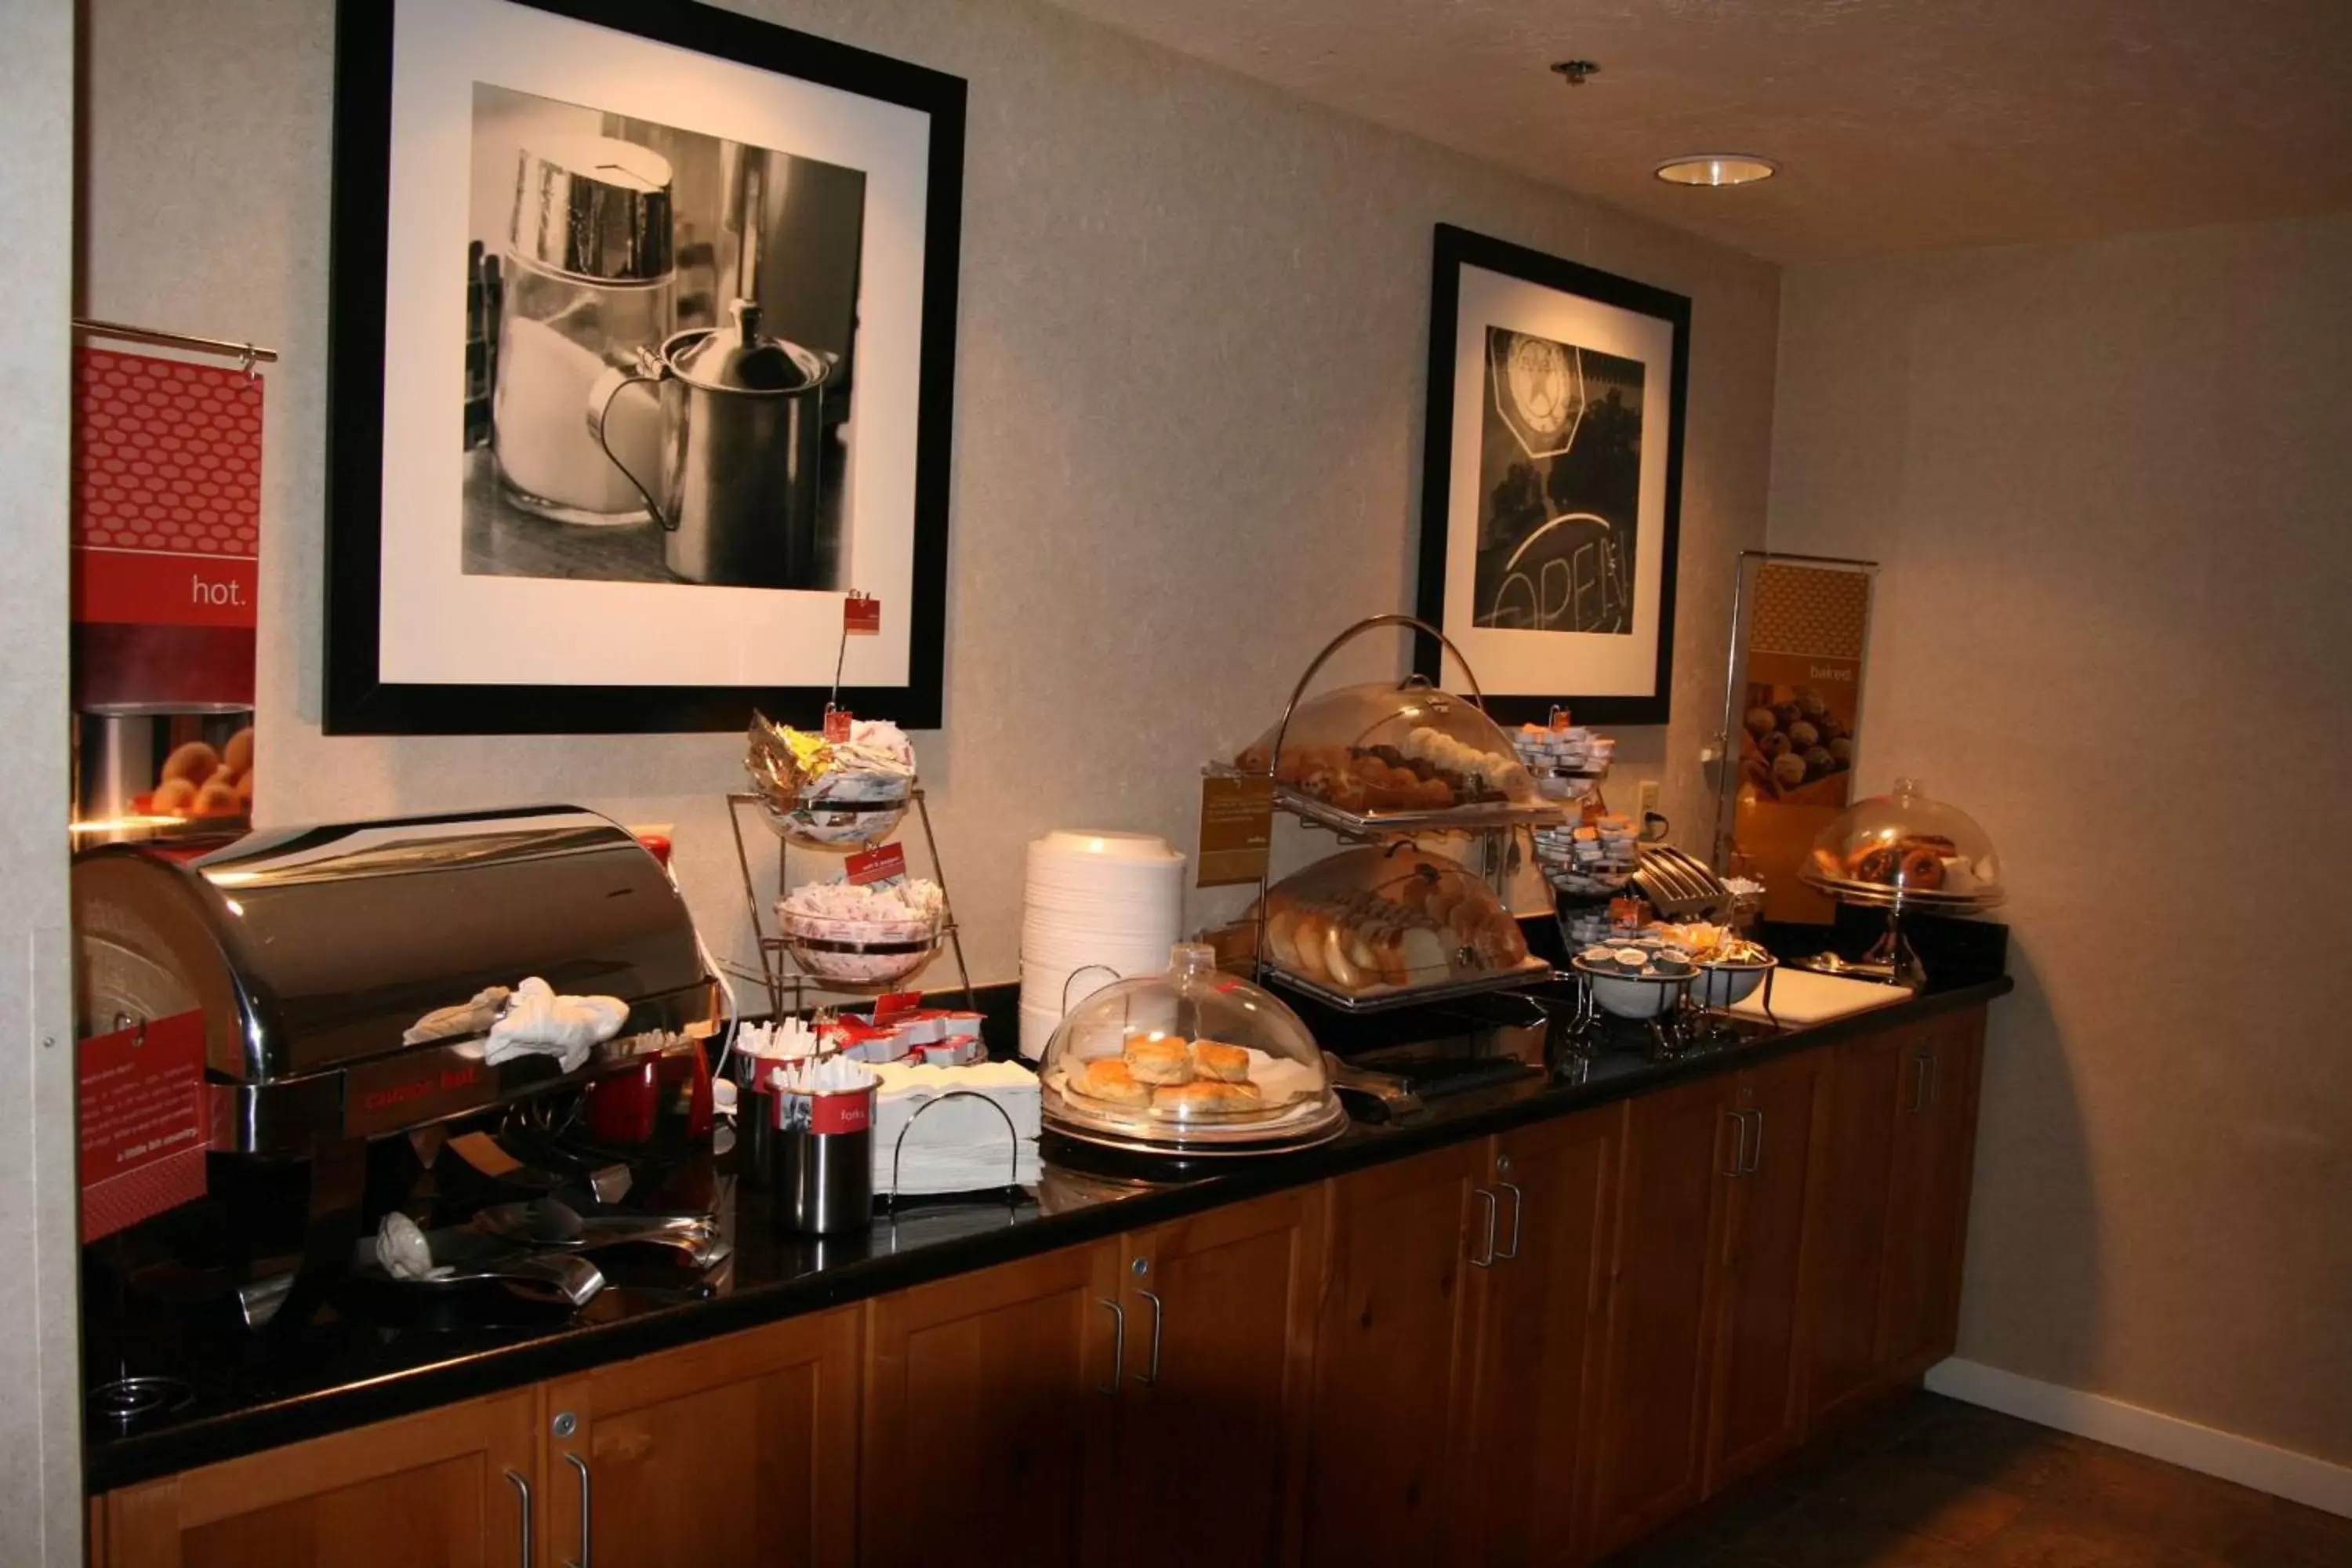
(1717, 169)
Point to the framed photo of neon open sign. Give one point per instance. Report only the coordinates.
(642, 340)
(1552, 481)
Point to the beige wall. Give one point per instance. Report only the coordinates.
(2111, 484)
(41, 1436)
(1188, 413)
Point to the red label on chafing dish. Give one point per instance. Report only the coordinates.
(837, 724)
(144, 1122)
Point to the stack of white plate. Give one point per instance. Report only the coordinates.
(1098, 907)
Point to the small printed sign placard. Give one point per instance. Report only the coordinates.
(877, 867)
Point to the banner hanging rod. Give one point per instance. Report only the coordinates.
(246, 354)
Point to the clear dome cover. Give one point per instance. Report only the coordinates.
(1390, 924)
(1905, 846)
(1388, 749)
(1190, 1058)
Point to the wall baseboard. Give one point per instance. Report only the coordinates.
(2247, 1461)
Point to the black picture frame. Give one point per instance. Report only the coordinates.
(357, 700)
(1455, 248)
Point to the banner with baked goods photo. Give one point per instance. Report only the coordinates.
(167, 584)
(1797, 723)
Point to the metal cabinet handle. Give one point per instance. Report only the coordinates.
(587, 1552)
(1755, 1149)
(1922, 1083)
(1159, 1322)
(1518, 1213)
(1739, 1166)
(1118, 1347)
(1493, 1209)
(522, 1494)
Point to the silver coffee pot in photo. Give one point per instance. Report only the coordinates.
(740, 437)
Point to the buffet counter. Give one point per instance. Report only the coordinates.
(255, 1392)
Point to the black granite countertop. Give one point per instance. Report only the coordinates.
(251, 1393)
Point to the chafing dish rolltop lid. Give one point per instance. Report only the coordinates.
(312, 951)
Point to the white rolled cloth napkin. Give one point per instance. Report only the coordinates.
(538, 1022)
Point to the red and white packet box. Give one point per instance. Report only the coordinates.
(954, 1053)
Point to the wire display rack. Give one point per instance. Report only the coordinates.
(788, 987)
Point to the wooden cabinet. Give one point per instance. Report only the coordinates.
(1213, 1418)
(1535, 1309)
(990, 1414)
(454, 1486)
(1388, 1360)
(1648, 1458)
(1927, 1194)
(741, 1449)
(1848, 1248)
(1533, 1348)
(1755, 1408)
(1899, 1153)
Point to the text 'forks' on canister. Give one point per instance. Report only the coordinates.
(824, 1148)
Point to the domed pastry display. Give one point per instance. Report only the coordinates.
(1904, 848)
(1193, 1061)
(1901, 852)
(1395, 756)
(1383, 754)
(1391, 925)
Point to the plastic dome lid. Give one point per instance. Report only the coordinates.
(1905, 846)
(1188, 1056)
(1386, 921)
(1390, 746)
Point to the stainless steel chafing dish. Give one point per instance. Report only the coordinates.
(314, 953)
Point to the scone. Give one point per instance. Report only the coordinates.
(1191, 1098)
(1159, 1058)
(1214, 1059)
(1106, 1078)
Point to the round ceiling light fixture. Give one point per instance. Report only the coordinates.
(1717, 169)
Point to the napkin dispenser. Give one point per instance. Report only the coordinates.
(314, 953)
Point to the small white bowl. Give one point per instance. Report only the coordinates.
(1723, 984)
(1629, 997)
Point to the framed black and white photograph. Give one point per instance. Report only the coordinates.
(1552, 481)
(642, 334)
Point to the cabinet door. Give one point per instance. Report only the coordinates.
(989, 1414)
(740, 1449)
(1927, 1194)
(1756, 1410)
(1966, 1078)
(1221, 1323)
(452, 1485)
(1848, 1243)
(1648, 1459)
(1536, 1311)
(1388, 1356)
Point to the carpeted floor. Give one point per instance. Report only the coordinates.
(1929, 1483)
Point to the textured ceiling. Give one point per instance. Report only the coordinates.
(1899, 124)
